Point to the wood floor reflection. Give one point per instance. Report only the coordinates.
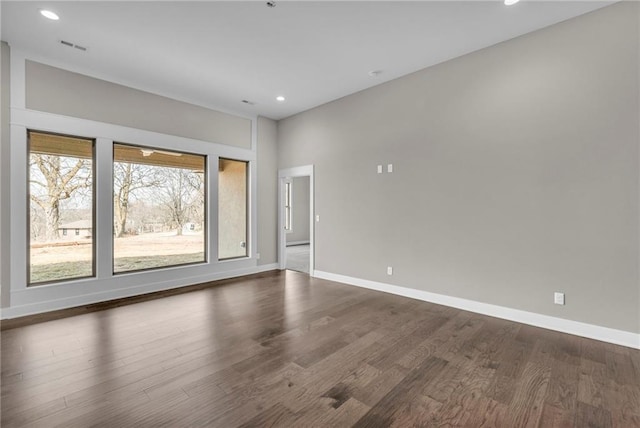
(284, 349)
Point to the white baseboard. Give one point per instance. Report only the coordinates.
(294, 243)
(267, 267)
(604, 334)
(87, 299)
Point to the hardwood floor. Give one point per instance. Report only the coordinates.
(280, 349)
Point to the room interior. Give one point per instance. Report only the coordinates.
(462, 180)
(297, 229)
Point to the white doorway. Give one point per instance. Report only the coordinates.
(291, 225)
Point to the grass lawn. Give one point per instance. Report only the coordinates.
(68, 260)
(58, 271)
(79, 269)
(126, 264)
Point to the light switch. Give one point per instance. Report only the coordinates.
(390, 167)
(379, 169)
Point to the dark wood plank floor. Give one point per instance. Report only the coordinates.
(280, 349)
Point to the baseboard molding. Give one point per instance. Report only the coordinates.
(294, 243)
(266, 268)
(71, 302)
(604, 334)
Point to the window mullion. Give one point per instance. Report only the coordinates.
(104, 208)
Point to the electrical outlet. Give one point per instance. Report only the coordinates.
(318, 218)
(379, 169)
(389, 270)
(390, 167)
(257, 256)
(558, 298)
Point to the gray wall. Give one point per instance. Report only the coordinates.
(300, 210)
(55, 90)
(267, 191)
(4, 168)
(516, 174)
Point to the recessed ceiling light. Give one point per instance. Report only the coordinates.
(280, 98)
(510, 2)
(50, 15)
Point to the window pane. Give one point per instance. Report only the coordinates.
(232, 209)
(158, 208)
(60, 198)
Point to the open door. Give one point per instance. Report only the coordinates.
(296, 219)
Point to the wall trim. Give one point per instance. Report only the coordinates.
(604, 334)
(87, 299)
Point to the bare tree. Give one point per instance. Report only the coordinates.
(36, 217)
(181, 190)
(127, 179)
(54, 179)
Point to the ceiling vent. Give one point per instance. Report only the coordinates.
(73, 45)
(251, 103)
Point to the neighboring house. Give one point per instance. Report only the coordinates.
(189, 227)
(75, 230)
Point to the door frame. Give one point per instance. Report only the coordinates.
(283, 176)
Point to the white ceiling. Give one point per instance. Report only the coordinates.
(218, 53)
